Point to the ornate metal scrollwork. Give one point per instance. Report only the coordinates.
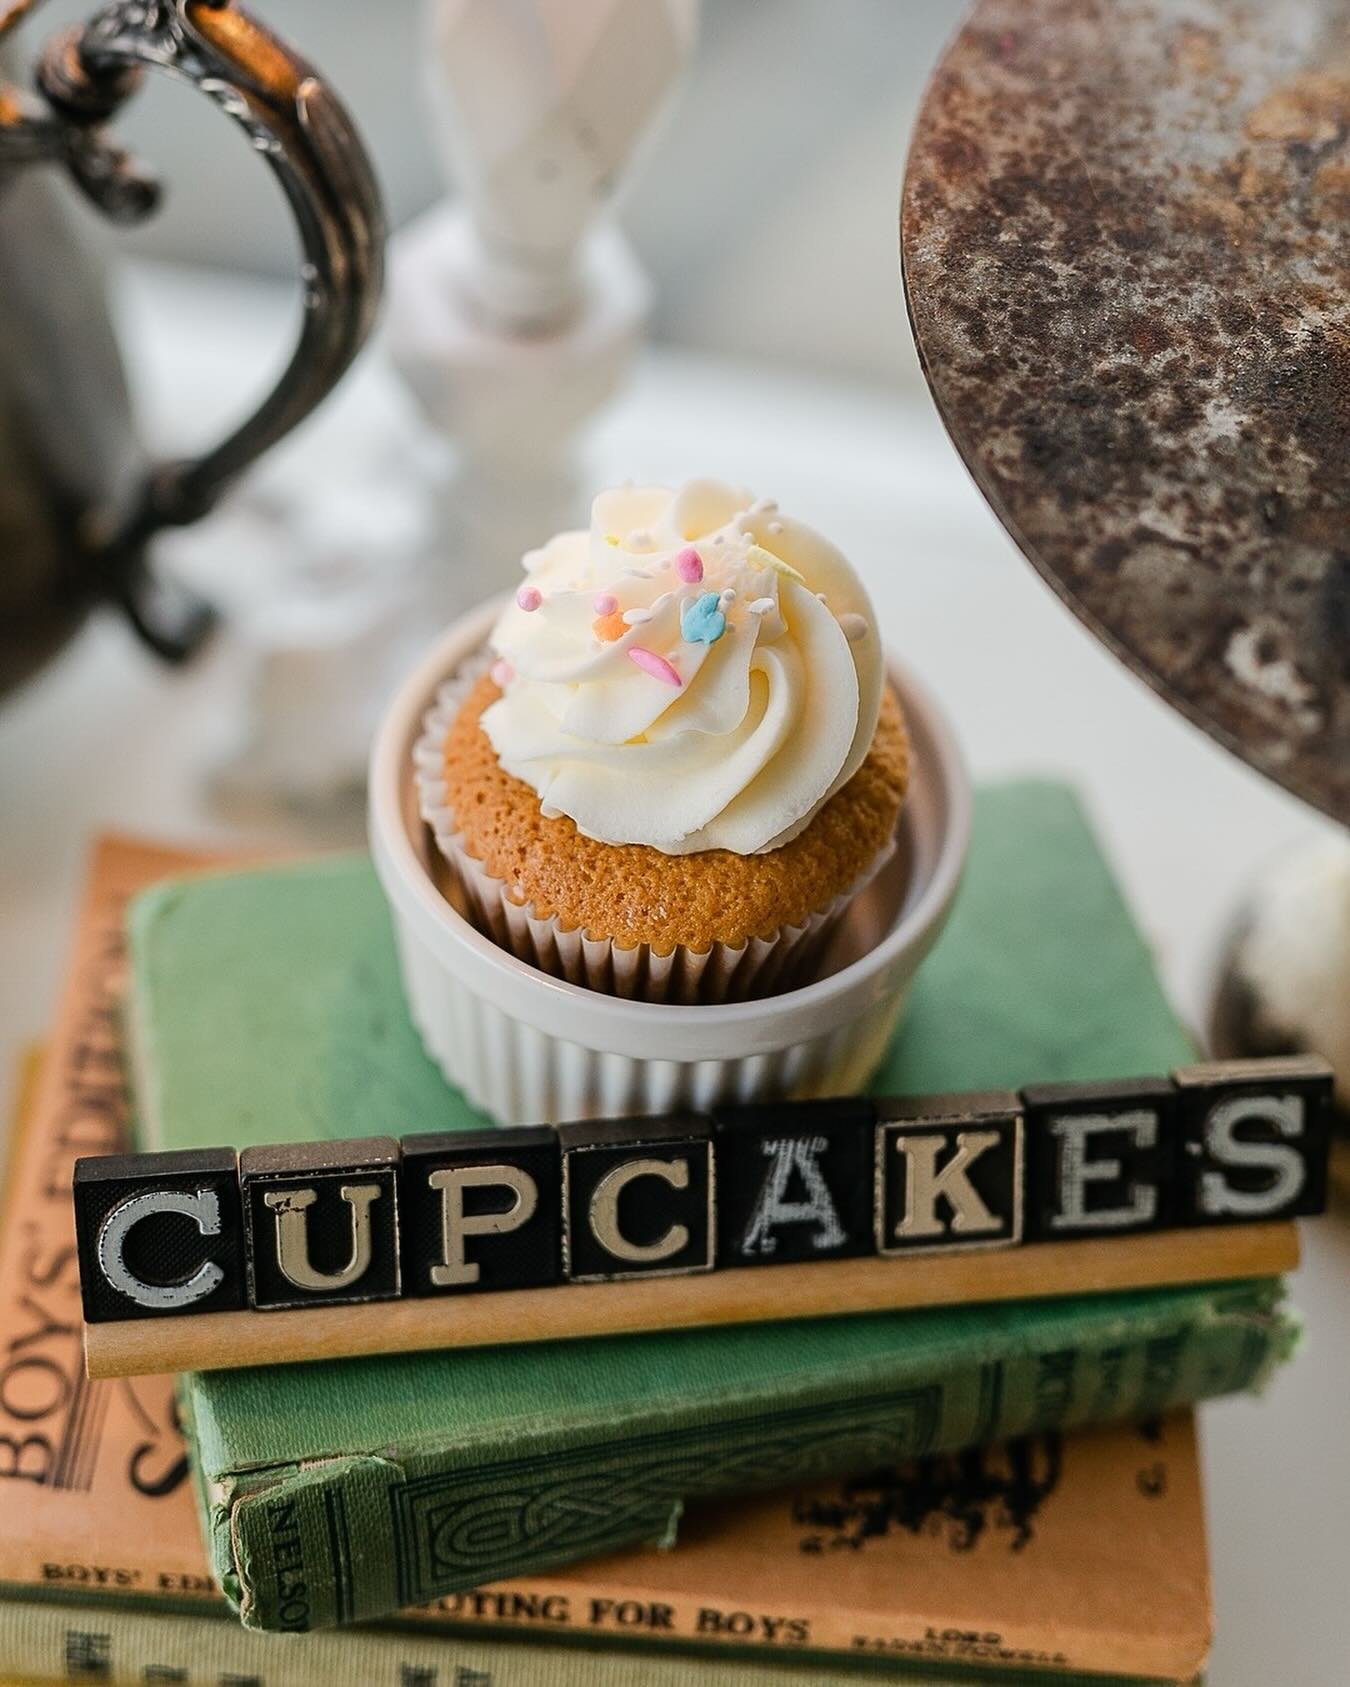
(295, 122)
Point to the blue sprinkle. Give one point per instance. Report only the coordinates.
(701, 620)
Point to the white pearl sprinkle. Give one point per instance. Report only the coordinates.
(853, 627)
(727, 598)
(635, 617)
(820, 596)
(719, 538)
(662, 601)
(775, 526)
(760, 605)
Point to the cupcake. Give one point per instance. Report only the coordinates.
(679, 761)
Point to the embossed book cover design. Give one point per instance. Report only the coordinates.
(990, 1561)
(344, 1491)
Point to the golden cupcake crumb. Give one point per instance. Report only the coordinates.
(632, 894)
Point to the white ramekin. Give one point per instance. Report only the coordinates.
(528, 1048)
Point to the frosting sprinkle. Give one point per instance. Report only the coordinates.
(702, 620)
(655, 665)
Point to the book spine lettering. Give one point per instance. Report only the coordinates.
(355, 1539)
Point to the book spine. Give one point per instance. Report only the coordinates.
(355, 1538)
(44, 1642)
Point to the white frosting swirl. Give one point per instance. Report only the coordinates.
(654, 737)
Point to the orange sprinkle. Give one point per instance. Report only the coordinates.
(609, 627)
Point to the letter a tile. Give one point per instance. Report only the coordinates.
(794, 1181)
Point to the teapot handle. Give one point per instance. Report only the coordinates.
(298, 125)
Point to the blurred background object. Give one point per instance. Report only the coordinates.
(80, 503)
(766, 218)
(1126, 269)
(66, 438)
(514, 318)
(516, 312)
(1284, 985)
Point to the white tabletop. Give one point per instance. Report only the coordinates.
(106, 739)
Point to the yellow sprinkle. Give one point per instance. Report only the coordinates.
(611, 538)
(758, 557)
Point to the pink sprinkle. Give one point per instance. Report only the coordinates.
(529, 598)
(655, 665)
(502, 674)
(689, 565)
(604, 603)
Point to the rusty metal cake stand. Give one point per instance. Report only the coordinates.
(1126, 246)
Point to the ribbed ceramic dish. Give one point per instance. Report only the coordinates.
(529, 1048)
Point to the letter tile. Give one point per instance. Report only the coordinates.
(948, 1171)
(794, 1181)
(481, 1210)
(638, 1197)
(159, 1234)
(1255, 1136)
(321, 1222)
(1101, 1158)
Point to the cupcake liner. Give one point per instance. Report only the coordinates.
(723, 973)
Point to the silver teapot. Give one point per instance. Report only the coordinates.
(78, 498)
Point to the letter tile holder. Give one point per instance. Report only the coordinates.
(228, 1340)
(200, 1260)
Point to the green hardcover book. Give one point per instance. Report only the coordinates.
(267, 1006)
(343, 1492)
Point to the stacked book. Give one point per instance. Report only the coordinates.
(996, 1477)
